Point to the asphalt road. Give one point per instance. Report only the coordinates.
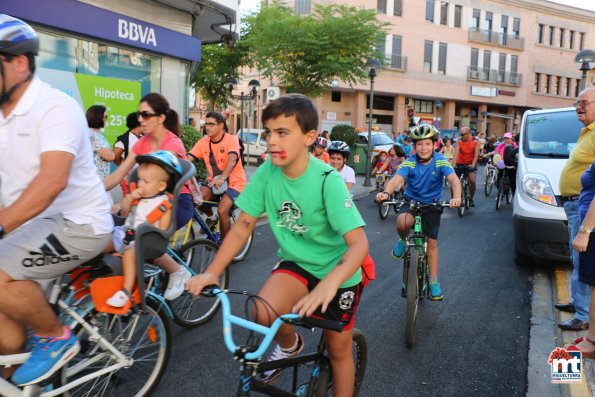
(473, 343)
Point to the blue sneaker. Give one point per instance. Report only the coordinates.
(48, 355)
(399, 249)
(435, 292)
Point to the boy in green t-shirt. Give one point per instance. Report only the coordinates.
(320, 235)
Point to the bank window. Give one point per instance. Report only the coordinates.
(428, 48)
(430, 10)
(423, 106)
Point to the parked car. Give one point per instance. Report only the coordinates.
(540, 229)
(380, 141)
(254, 143)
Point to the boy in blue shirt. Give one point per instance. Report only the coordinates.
(424, 173)
(319, 232)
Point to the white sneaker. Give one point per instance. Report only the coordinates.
(176, 283)
(279, 353)
(119, 299)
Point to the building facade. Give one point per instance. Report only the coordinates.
(454, 63)
(113, 52)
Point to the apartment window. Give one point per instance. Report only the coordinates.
(551, 35)
(516, 27)
(489, 21)
(577, 86)
(336, 96)
(430, 10)
(443, 13)
(428, 48)
(398, 9)
(504, 24)
(423, 106)
(562, 31)
(567, 86)
(442, 58)
(571, 40)
(558, 88)
(475, 20)
(458, 15)
(396, 59)
(501, 67)
(548, 81)
(514, 63)
(474, 57)
(540, 33)
(381, 6)
(537, 82)
(487, 59)
(582, 42)
(303, 7)
(381, 46)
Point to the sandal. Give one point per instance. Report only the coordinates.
(574, 347)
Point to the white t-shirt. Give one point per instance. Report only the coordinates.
(348, 174)
(44, 120)
(132, 139)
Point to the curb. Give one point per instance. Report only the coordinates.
(562, 295)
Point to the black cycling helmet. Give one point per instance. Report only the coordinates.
(166, 160)
(339, 147)
(17, 37)
(424, 131)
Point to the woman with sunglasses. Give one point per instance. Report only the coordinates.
(160, 126)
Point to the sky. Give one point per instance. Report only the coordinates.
(248, 6)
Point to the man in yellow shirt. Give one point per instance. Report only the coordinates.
(580, 159)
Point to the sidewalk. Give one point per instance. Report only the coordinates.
(561, 291)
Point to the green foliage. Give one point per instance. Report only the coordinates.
(190, 136)
(345, 133)
(218, 64)
(306, 53)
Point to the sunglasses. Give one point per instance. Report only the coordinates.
(211, 124)
(146, 115)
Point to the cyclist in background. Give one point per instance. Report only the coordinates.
(423, 173)
(55, 214)
(339, 153)
(507, 153)
(320, 149)
(465, 157)
(319, 231)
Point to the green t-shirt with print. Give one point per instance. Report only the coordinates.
(309, 231)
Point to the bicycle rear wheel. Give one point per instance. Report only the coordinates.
(190, 311)
(246, 248)
(508, 195)
(412, 296)
(463, 206)
(144, 337)
(360, 359)
(500, 194)
(489, 183)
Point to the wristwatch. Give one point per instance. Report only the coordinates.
(1, 231)
(385, 192)
(581, 229)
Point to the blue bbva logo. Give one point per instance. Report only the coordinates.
(136, 32)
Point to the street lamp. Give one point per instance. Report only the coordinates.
(585, 61)
(253, 84)
(373, 67)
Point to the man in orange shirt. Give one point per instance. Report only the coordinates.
(465, 156)
(221, 154)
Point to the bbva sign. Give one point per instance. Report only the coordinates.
(136, 32)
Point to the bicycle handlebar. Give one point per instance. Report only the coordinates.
(269, 332)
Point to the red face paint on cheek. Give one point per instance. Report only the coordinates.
(283, 155)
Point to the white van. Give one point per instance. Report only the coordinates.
(254, 143)
(540, 225)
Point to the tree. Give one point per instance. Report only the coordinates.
(306, 53)
(218, 64)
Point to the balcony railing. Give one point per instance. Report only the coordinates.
(497, 76)
(394, 61)
(497, 39)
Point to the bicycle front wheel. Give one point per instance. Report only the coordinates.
(412, 296)
(500, 194)
(246, 248)
(489, 183)
(190, 311)
(144, 337)
(383, 210)
(360, 360)
(508, 195)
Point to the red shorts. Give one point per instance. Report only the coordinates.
(343, 306)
